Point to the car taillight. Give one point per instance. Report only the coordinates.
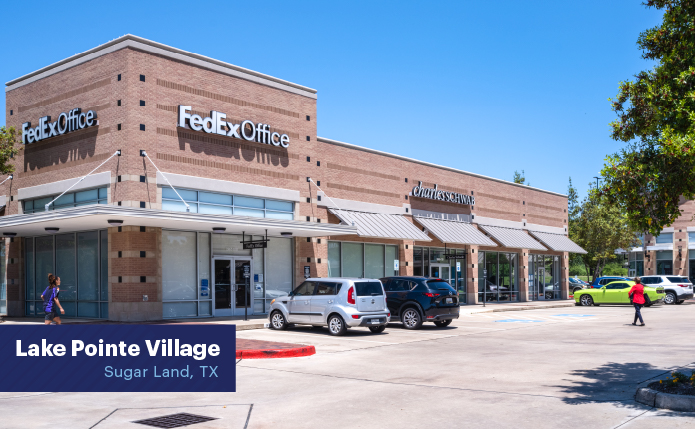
(683, 285)
(430, 294)
(355, 316)
(351, 296)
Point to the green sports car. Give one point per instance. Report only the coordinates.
(616, 293)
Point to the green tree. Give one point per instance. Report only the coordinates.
(656, 117)
(600, 228)
(573, 211)
(9, 148)
(520, 178)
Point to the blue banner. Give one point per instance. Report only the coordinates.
(118, 358)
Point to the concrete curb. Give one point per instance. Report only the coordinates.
(667, 401)
(251, 326)
(276, 353)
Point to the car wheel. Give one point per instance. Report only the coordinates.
(670, 298)
(336, 325)
(377, 329)
(277, 321)
(548, 295)
(411, 319)
(443, 323)
(586, 300)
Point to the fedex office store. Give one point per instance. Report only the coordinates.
(212, 251)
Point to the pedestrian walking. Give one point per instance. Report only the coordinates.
(51, 304)
(637, 294)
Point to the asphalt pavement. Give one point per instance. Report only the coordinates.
(572, 367)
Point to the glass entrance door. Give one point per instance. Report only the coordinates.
(441, 271)
(232, 276)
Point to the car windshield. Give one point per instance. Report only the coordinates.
(438, 285)
(368, 288)
(678, 279)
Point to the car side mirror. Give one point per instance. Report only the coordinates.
(603, 287)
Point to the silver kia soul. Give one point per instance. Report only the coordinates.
(336, 302)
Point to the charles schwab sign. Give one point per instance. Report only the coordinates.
(216, 124)
(67, 122)
(436, 194)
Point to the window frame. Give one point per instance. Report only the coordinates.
(197, 202)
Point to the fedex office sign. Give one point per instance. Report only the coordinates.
(74, 120)
(216, 124)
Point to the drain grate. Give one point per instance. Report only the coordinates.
(175, 420)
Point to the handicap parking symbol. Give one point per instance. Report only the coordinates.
(517, 321)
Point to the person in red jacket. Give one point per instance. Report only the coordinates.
(637, 293)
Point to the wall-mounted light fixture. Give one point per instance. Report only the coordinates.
(52, 230)
(115, 222)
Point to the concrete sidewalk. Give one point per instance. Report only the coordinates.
(259, 321)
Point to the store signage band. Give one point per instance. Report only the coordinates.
(216, 124)
(261, 244)
(67, 122)
(436, 194)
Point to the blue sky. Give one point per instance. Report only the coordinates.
(486, 87)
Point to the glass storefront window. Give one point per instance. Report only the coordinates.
(497, 274)
(348, 259)
(3, 281)
(81, 262)
(636, 264)
(71, 199)
(213, 203)
(664, 238)
(544, 277)
(664, 262)
(417, 261)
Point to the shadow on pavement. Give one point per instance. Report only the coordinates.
(611, 382)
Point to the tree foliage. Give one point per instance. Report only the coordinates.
(520, 178)
(600, 227)
(9, 148)
(656, 117)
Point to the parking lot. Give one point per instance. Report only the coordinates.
(549, 368)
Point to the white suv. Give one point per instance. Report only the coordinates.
(676, 288)
(338, 303)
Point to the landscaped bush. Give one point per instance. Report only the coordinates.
(678, 383)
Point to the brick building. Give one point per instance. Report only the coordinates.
(191, 163)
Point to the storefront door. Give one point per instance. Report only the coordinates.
(441, 271)
(231, 279)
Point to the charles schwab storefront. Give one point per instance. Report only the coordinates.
(159, 183)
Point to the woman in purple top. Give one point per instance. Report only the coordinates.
(50, 300)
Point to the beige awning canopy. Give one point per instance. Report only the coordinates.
(448, 231)
(379, 225)
(557, 242)
(512, 237)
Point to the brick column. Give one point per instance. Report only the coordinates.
(132, 275)
(310, 253)
(472, 275)
(405, 255)
(564, 276)
(523, 269)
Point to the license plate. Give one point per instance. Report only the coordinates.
(450, 300)
(375, 321)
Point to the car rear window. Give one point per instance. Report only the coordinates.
(678, 279)
(368, 288)
(438, 284)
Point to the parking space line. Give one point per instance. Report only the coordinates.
(321, 336)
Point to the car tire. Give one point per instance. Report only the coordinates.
(278, 321)
(377, 329)
(670, 298)
(411, 318)
(680, 302)
(443, 323)
(586, 300)
(548, 296)
(336, 325)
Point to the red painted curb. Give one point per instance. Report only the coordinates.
(276, 353)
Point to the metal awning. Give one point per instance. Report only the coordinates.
(448, 231)
(512, 237)
(97, 216)
(557, 242)
(661, 246)
(381, 225)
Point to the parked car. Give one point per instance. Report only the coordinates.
(414, 300)
(602, 281)
(676, 288)
(617, 293)
(338, 303)
(576, 284)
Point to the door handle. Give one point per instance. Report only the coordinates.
(330, 301)
(306, 302)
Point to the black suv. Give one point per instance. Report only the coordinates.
(420, 299)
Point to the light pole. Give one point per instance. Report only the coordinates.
(597, 179)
